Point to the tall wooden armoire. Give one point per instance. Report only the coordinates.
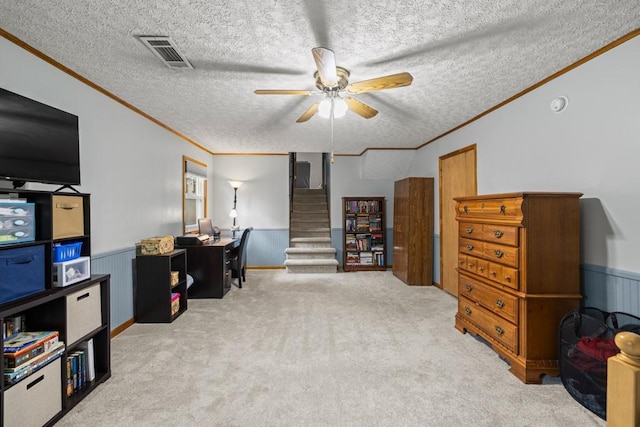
(413, 231)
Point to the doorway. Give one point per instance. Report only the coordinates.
(457, 178)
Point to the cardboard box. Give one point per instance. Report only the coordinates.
(68, 216)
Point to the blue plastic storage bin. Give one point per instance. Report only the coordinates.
(21, 272)
(68, 252)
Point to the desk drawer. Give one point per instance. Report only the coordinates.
(34, 400)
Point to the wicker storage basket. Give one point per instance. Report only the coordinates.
(156, 245)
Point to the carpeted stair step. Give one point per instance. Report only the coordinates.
(310, 242)
(311, 265)
(310, 223)
(310, 253)
(310, 232)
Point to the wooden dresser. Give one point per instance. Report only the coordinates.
(413, 231)
(518, 274)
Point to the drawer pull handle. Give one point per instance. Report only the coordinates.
(67, 206)
(480, 269)
(499, 303)
(498, 253)
(471, 265)
(469, 288)
(470, 247)
(464, 208)
(507, 278)
(461, 261)
(499, 330)
(498, 233)
(503, 209)
(469, 230)
(467, 310)
(493, 272)
(34, 382)
(87, 295)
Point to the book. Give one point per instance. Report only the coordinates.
(11, 326)
(87, 346)
(13, 375)
(26, 345)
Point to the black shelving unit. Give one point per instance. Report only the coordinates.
(79, 312)
(154, 288)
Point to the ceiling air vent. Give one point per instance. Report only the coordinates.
(165, 49)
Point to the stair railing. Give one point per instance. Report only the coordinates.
(623, 382)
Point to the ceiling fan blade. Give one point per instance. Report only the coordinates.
(281, 92)
(381, 83)
(360, 108)
(308, 114)
(326, 64)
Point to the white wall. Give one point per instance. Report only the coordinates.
(345, 182)
(131, 166)
(592, 147)
(263, 198)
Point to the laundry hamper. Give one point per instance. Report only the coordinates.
(586, 341)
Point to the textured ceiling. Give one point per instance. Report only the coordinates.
(466, 56)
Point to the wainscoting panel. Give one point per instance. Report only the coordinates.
(266, 247)
(119, 264)
(610, 289)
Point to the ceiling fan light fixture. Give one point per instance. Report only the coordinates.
(339, 108)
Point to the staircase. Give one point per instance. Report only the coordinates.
(310, 248)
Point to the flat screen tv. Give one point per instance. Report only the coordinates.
(38, 143)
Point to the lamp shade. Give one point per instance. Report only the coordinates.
(235, 184)
(339, 108)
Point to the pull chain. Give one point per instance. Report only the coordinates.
(333, 160)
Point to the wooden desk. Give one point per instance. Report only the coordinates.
(210, 267)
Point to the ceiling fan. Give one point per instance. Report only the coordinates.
(332, 82)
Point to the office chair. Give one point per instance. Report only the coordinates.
(239, 258)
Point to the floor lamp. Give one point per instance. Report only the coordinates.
(234, 213)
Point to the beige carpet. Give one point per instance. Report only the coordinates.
(347, 349)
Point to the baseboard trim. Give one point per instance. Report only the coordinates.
(123, 327)
(266, 267)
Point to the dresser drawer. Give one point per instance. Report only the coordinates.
(473, 265)
(504, 275)
(503, 254)
(470, 230)
(507, 208)
(84, 313)
(503, 234)
(498, 302)
(471, 247)
(510, 277)
(34, 400)
(492, 324)
(482, 267)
